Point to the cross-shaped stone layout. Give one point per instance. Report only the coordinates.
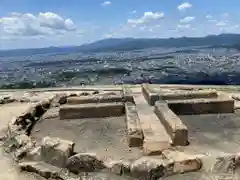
(151, 116)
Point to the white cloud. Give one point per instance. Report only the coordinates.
(221, 24)
(29, 25)
(225, 14)
(184, 6)
(209, 16)
(106, 3)
(148, 17)
(134, 12)
(187, 19)
(185, 26)
(54, 21)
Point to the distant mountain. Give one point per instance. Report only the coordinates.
(127, 44)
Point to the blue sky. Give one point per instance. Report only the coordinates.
(41, 23)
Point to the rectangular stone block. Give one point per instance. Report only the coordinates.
(135, 135)
(91, 110)
(177, 95)
(128, 95)
(150, 95)
(56, 151)
(95, 99)
(156, 139)
(174, 126)
(202, 106)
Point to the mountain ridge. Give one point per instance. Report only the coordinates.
(128, 44)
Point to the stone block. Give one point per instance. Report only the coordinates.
(178, 95)
(128, 96)
(135, 134)
(156, 139)
(150, 95)
(118, 167)
(91, 110)
(174, 126)
(150, 168)
(43, 169)
(56, 151)
(202, 106)
(183, 162)
(95, 99)
(84, 162)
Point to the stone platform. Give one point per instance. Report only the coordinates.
(146, 132)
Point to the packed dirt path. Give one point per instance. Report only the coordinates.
(8, 170)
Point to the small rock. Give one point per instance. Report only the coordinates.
(149, 168)
(225, 163)
(21, 140)
(84, 94)
(56, 151)
(95, 92)
(43, 169)
(84, 162)
(118, 167)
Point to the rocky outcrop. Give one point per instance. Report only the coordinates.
(84, 162)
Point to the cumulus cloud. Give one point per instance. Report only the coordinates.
(55, 21)
(187, 19)
(183, 6)
(148, 17)
(17, 24)
(106, 3)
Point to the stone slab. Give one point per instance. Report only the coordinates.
(156, 139)
(202, 106)
(91, 110)
(128, 94)
(177, 95)
(174, 126)
(95, 99)
(135, 135)
(56, 151)
(183, 162)
(150, 95)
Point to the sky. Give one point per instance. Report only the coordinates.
(44, 23)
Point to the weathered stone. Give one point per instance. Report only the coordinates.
(178, 95)
(84, 162)
(59, 99)
(128, 96)
(43, 169)
(91, 110)
(23, 151)
(56, 151)
(135, 134)
(172, 123)
(156, 139)
(202, 106)
(149, 168)
(95, 99)
(34, 154)
(21, 140)
(224, 163)
(183, 162)
(118, 167)
(150, 95)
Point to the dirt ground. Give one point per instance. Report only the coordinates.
(213, 133)
(104, 136)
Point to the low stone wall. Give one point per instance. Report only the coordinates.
(55, 158)
(172, 123)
